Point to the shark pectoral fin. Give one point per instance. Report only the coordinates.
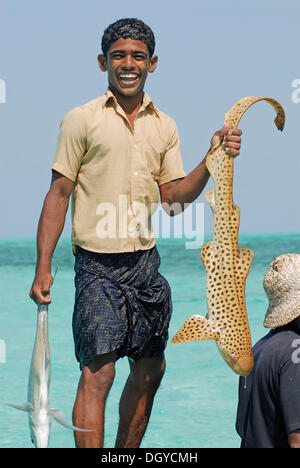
(59, 417)
(212, 159)
(210, 198)
(196, 328)
(24, 407)
(242, 267)
(206, 252)
(243, 262)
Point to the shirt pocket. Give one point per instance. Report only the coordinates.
(154, 153)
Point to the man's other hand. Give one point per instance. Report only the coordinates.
(40, 290)
(231, 140)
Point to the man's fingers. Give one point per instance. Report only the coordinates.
(235, 132)
(40, 290)
(219, 135)
(231, 140)
(224, 129)
(33, 296)
(40, 297)
(231, 145)
(232, 152)
(236, 139)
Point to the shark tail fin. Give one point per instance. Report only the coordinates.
(196, 328)
(25, 407)
(210, 198)
(59, 417)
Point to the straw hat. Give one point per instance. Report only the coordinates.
(282, 286)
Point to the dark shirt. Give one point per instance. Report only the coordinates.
(269, 398)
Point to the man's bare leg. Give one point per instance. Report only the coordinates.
(93, 388)
(137, 400)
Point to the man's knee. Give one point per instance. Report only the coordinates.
(147, 373)
(99, 374)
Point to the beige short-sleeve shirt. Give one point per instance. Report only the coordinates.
(117, 171)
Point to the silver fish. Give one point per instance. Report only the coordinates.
(38, 399)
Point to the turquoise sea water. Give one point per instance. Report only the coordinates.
(196, 403)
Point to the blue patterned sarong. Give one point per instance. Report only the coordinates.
(122, 303)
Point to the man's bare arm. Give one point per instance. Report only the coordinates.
(50, 227)
(181, 191)
(186, 190)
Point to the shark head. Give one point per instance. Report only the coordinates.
(241, 365)
(40, 429)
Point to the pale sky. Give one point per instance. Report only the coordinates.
(210, 55)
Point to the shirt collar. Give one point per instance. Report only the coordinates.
(147, 101)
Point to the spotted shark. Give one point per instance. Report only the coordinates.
(227, 265)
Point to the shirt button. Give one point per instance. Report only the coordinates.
(138, 226)
(136, 173)
(135, 146)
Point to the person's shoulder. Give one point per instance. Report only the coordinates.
(168, 124)
(284, 335)
(262, 342)
(82, 110)
(287, 342)
(78, 118)
(94, 104)
(277, 342)
(164, 116)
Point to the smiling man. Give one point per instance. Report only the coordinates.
(116, 155)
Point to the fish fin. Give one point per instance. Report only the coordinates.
(242, 267)
(24, 407)
(206, 252)
(59, 417)
(212, 160)
(210, 198)
(196, 328)
(243, 262)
